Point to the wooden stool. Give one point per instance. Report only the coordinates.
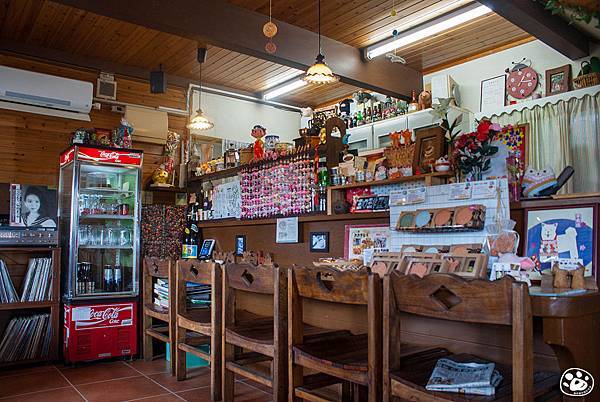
(264, 337)
(340, 357)
(205, 322)
(450, 297)
(163, 269)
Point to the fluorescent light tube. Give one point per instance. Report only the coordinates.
(284, 89)
(428, 29)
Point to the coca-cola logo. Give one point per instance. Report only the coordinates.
(109, 155)
(111, 313)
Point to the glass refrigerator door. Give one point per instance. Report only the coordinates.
(65, 197)
(107, 233)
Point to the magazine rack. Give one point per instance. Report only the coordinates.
(16, 260)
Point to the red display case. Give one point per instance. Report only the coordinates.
(98, 331)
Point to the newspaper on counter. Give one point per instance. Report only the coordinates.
(467, 378)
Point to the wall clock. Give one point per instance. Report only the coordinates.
(522, 80)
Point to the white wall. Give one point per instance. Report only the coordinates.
(234, 118)
(470, 74)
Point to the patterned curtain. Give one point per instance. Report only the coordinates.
(566, 133)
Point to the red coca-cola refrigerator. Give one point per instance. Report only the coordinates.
(99, 215)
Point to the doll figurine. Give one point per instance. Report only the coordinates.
(259, 132)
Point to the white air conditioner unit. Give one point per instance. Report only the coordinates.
(45, 94)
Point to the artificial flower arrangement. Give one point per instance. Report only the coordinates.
(472, 151)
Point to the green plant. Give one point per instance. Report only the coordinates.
(574, 12)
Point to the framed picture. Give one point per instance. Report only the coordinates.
(240, 244)
(493, 93)
(558, 80)
(286, 230)
(319, 242)
(359, 238)
(33, 206)
(429, 146)
(513, 139)
(563, 232)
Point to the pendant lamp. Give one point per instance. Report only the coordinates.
(320, 73)
(198, 121)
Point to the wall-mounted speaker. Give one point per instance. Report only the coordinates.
(158, 82)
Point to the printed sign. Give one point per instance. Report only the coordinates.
(93, 317)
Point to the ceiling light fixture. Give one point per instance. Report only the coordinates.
(430, 28)
(320, 73)
(284, 89)
(198, 121)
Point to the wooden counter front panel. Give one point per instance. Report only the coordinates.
(262, 237)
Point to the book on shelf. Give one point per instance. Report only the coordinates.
(26, 338)
(161, 292)
(466, 378)
(8, 294)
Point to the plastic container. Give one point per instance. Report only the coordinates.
(191, 360)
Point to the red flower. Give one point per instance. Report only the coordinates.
(462, 140)
(484, 127)
(473, 146)
(482, 137)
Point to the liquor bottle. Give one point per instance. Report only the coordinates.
(413, 106)
(108, 279)
(80, 286)
(90, 285)
(205, 208)
(118, 279)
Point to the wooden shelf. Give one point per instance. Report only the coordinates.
(28, 305)
(221, 174)
(303, 218)
(402, 179)
(167, 189)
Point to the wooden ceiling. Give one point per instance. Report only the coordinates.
(51, 25)
(360, 23)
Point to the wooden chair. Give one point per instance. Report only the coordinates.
(450, 297)
(204, 323)
(164, 269)
(340, 357)
(263, 338)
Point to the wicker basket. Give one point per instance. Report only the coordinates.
(246, 155)
(587, 80)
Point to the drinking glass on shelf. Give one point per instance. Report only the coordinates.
(125, 237)
(84, 235)
(96, 235)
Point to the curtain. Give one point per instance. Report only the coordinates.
(566, 133)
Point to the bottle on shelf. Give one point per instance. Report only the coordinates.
(108, 284)
(118, 279)
(189, 247)
(413, 106)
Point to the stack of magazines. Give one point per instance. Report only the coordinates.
(198, 295)
(25, 338)
(8, 294)
(161, 293)
(466, 378)
(38, 280)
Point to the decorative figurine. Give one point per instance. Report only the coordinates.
(125, 132)
(424, 100)
(259, 132)
(160, 176)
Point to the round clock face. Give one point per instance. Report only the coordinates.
(520, 84)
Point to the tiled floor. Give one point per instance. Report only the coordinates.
(115, 381)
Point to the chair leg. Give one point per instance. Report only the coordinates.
(295, 379)
(180, 367)
(173, 349)
(346, 391)
(216, 367)
(228, 376)
(147, 339)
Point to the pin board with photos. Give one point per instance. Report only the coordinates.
(444, 201)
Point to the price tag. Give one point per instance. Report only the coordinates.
(484, 189)
(460, 191)
(408, 197)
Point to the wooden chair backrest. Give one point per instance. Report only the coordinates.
(250, 278)
(451, 297)
(195, 271)
(454, 298)
(157, 267)
(332, 285)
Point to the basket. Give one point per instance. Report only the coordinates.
(246, 155)
(586, 80)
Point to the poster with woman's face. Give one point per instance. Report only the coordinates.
(33, 206)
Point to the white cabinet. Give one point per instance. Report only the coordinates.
(361, 138)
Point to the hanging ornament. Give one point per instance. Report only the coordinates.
(393, 13)
(270, 47)
(270, 30)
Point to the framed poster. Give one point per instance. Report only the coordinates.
(511, 139)
(359, 238)
(567, 232)
(286, 230)
(493, 93)
(33, 206)
(429, 146)
(558, 80)
(319, 242)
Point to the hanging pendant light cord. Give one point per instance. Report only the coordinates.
(270, 10)
(200, 94)
(319, 8)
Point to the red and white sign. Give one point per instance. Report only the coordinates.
(107, 316)
(99, 155)
(67, 156)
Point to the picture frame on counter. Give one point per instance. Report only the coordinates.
(319, 242)
(429, 146)
(492, 93)
(562, 232)
(558, 80)
(240, 244)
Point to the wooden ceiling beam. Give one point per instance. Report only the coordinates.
(225, 25)
(555, 32)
